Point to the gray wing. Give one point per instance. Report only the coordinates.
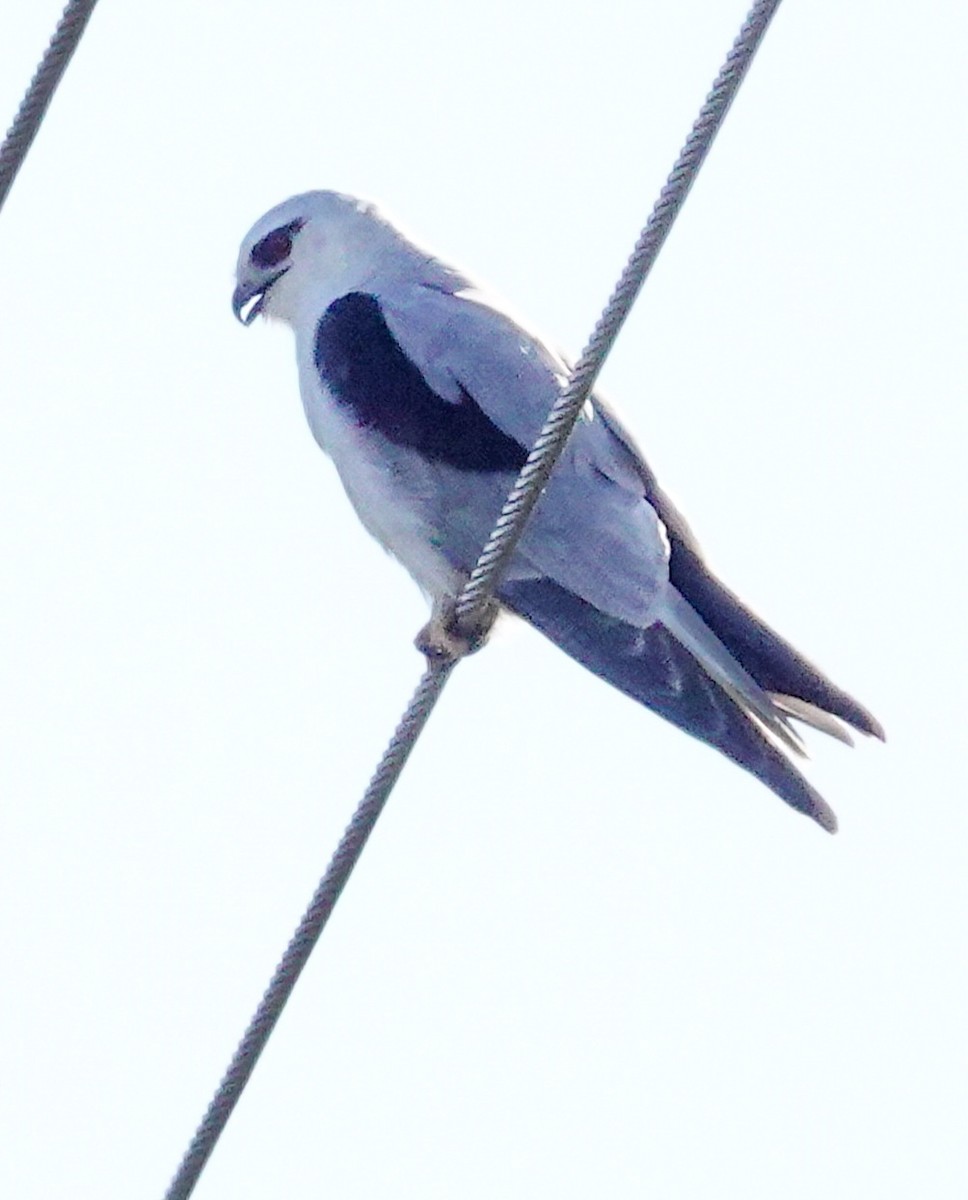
(611, 517)
(775, 665)
(594, 530)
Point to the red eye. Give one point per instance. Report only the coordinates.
(275, 247)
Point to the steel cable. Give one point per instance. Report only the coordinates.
(40, 91)
(473, 603)
(522, 498)
(314, 919)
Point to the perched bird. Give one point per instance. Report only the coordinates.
(427, 396)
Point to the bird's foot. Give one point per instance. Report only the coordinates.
(442, 642)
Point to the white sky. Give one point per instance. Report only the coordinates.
(583, 955)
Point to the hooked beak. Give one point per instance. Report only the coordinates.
(249, 298)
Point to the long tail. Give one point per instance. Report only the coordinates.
(694, 635)
(768, 658)
(725, 702)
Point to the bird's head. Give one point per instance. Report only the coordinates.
(308, 251)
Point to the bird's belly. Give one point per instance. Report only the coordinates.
(391, 494)
(397, 517)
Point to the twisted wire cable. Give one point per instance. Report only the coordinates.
(472, 604)
(314, 920)
(494, 558)
(41, 90)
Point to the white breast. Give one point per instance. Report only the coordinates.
(387, 499)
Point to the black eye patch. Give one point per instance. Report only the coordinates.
(275, 247)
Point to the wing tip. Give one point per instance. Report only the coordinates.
(824, 815)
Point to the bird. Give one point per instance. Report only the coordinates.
(427, 395)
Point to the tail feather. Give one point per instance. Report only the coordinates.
(694, 635)
(655, 668)
(810, 715)
(771, 660)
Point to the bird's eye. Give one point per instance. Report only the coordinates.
(275, 247)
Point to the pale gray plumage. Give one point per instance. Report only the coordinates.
(427, 397)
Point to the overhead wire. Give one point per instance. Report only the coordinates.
(473, 610)
(40, 91)
(493, 560)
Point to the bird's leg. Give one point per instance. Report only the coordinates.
(440, 641)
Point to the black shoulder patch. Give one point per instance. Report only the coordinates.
(367, 371)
